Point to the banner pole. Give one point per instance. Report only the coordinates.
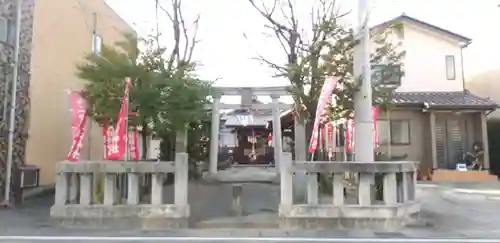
(312, 153)
(127, 82)
(88, 125)
(389, 141)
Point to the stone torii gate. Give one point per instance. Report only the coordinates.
(274, 92)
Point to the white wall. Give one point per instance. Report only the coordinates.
(424, 62)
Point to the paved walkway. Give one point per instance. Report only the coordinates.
(449, 210)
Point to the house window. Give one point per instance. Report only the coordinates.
(11, 32)
(386, 74)
(7, 31)
(450, 67)
(96, 44)
(399, 132)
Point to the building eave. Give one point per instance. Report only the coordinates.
(403, 17)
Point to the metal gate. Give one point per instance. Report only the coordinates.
(450, 139)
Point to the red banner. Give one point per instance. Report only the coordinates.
(115, 138)
(324, 98)
(78, 112)
(111, 147)
(349, 135)
(349, 130)
(330, 131)
(133, 149)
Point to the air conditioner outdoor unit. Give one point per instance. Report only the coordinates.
(30, 176)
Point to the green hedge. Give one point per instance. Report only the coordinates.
(494, 145)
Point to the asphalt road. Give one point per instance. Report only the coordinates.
(455, 216)
(76, 239)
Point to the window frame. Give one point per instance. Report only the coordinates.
(450, 74)
(10, 31)
(408, 123)
(381, 71)
(391, 127)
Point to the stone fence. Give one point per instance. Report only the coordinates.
(393, 209)
(75, 182)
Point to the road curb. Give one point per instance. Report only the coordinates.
(38, 192)
(477, 191)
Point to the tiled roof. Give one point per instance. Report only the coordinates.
(259, 112)
(455, 100)
(257, 121)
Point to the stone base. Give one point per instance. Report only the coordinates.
(254, 221)
(246, 174)
(166, 216)
(343, 223)
(379, 217)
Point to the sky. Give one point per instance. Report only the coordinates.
(230, 32)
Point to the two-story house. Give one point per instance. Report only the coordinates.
(55, 36)
(434, 119)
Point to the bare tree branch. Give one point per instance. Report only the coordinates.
(184, 32)
(180, 58)
(194, 40)
(326, 49)
(165, 11)
(281, 69)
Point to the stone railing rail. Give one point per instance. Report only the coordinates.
(395, 209)
(74, 193)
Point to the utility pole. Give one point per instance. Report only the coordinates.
(363, 119)
(89, 121)
(13, 104)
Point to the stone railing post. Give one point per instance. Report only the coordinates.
(390, 189)
(286, 180)
(412, 191)
(86, 188)
(133, 183)
(181, 179)
(338, 189)
(157, 188)
(312, 188)
(407, 183)
(365, 189)
(109, 189)
(61, 197)
(73, 187)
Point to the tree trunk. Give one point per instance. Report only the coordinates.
(171, 141)
(144, 134)
(309, 130)
(181, 141)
